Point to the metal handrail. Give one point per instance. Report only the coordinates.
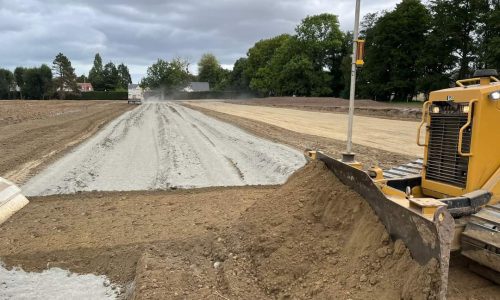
(425, 111)
(461, 82)
(460, 135)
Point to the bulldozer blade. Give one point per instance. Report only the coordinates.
(11, 199)
(427, 238)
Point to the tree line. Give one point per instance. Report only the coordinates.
(60, 80)
(412, 49)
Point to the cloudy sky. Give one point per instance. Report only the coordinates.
(138, 32)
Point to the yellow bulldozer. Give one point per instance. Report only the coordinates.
(450, 199)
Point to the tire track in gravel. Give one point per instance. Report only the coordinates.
(164, 145)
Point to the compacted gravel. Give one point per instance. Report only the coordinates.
(164, 145)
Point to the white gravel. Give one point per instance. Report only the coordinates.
(164, 145)
(54, 284)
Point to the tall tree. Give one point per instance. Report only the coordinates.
(167, 76)
(6, 83)
(37, 82)
(96, 76)
(489, 54)
(46, 80)
(65, 78)
(458, 23)
(322, 42)
(110, 77)
(238, 80)
(258, 60)
(82, 79)
(394, 45)
(124, 78)
(209, 69)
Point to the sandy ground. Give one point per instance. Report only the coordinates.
(397, 110)
(369, 156)
(165, 145)
(35, 132)
(391, 135)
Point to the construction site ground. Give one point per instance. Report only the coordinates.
(33, 133)
(388, 110)
(309, 238)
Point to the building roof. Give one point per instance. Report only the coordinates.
(86, 86)
(199, 86)
(133, 86)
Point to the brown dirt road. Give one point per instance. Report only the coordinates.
(35, 132)
(391, 135)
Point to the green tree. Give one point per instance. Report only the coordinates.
(124, 78)
(37, 82)
(46, 75)
(209, 70)
(19, 75)
(323, 42)
(65, 78)
(258, 61)
(345, 66)
(7, 82)
(394, 45)
(110, 77)
(457, 23)
(96, 76)
(238, 80)
(167, 76)
(82, 79)
(489, 56)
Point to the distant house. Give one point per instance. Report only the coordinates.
(197, 87)
(85, 87)
(135, 92)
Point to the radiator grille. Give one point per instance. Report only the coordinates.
(444, 164)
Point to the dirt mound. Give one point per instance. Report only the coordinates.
(312, 237)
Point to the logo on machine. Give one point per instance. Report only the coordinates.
(450, 98)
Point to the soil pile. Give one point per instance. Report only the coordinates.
(311, 238)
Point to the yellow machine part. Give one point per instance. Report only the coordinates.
(484, 156)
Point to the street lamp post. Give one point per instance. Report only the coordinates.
(348, 156)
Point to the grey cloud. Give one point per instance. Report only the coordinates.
(138, 32)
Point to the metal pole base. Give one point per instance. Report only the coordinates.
(348, 157)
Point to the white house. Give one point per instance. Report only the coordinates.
(85, 86)
(135, 92)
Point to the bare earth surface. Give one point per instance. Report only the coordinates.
(34, 132)
(369, 156)
(165, 145)
(398, 110)
(390, 135)
(309, 238)
(301, 240)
